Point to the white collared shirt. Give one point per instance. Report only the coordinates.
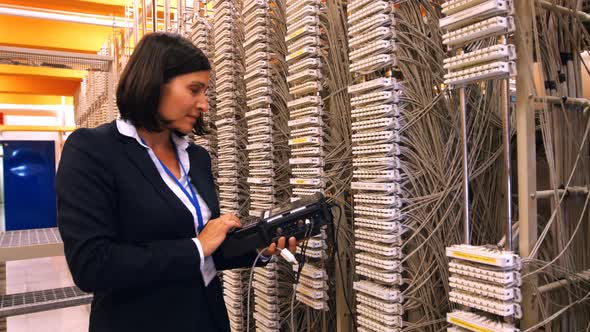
(126, 128)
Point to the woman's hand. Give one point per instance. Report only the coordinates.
(272, 249)
(215, 231)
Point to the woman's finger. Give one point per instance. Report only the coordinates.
(281, 242)
(292, 244)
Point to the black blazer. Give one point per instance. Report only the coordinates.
(127, 237)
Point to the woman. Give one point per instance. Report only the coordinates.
(137, 207)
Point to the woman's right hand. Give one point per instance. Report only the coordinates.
(215, 231)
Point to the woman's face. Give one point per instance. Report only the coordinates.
(183, 99)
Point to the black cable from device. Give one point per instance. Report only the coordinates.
(334, 237)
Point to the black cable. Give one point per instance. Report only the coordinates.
(334, 238)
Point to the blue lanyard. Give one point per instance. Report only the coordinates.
(192, 197)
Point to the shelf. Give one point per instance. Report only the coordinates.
(37, 301)
(28, 244)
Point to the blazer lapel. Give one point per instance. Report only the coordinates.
(203, 181)
(141, 159)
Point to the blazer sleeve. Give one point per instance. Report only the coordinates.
(86, 203)
(222, 263)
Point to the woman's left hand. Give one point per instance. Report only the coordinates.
(272, 249)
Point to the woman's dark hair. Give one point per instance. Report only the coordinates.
(157, 58)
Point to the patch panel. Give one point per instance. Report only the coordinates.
(373, 63)
(229, 111)
(371, 186)
(388, 320)
(305, 51)
(313, 253)
(305, 101)
(377, 199)
(315, 171)
(496, 277)
(260, 130)
(305, 64)
(307, 10)
(255, 73)
(306, 88)
(229, 196)
(483, 255)
(257, 285)
(265, 112)
(377, 248)
(253, 4)
(389, 175)
(378, 291)
(270, 316)
(262, 81)
(388, 162)
(311, 271)
(267, 190)
(254, 14)
(267, 306)
(308, 30)
(317, 305)
(260, 101)
(227, 103)
(265, 297)
(382, 123)
(257, 22)
(476, 13)
(484, 289)
(256, 39)
(372, 22)
(388, 149)
(390, 224)
(393, 239)
(355, 5)
(259, 56)
(311, 292)
(383, 306)
(308, 131)
(262, 138)
(310, 120)
(474, 322)
(378, 110)
(256, 180)
(262, 91)
(229, 205)
(306, 182)
(261, 206)
(379, 33)
(259, 146)
(372, 49)
(312, 161)
(499, 308)
(497, 52)
(261, 163)
(306, 21)
(228, 173)
(379, 262)
(306, 140)
(258, 47)
(262, 172)
(492, 70)
(306, 191)
(314, 283)
(308, 74)
(379, 275)
(254, 66)
(229, 188)
(222, 144)
(261, 155)
(376, 7)
(229, 86)
(293, 6)
(382, 83)
(300, 43)
(265, 321)
(314, 110)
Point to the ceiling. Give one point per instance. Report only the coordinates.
(27, 85)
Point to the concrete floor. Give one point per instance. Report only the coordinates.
(39, 274)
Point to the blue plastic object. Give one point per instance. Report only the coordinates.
(29, 174)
